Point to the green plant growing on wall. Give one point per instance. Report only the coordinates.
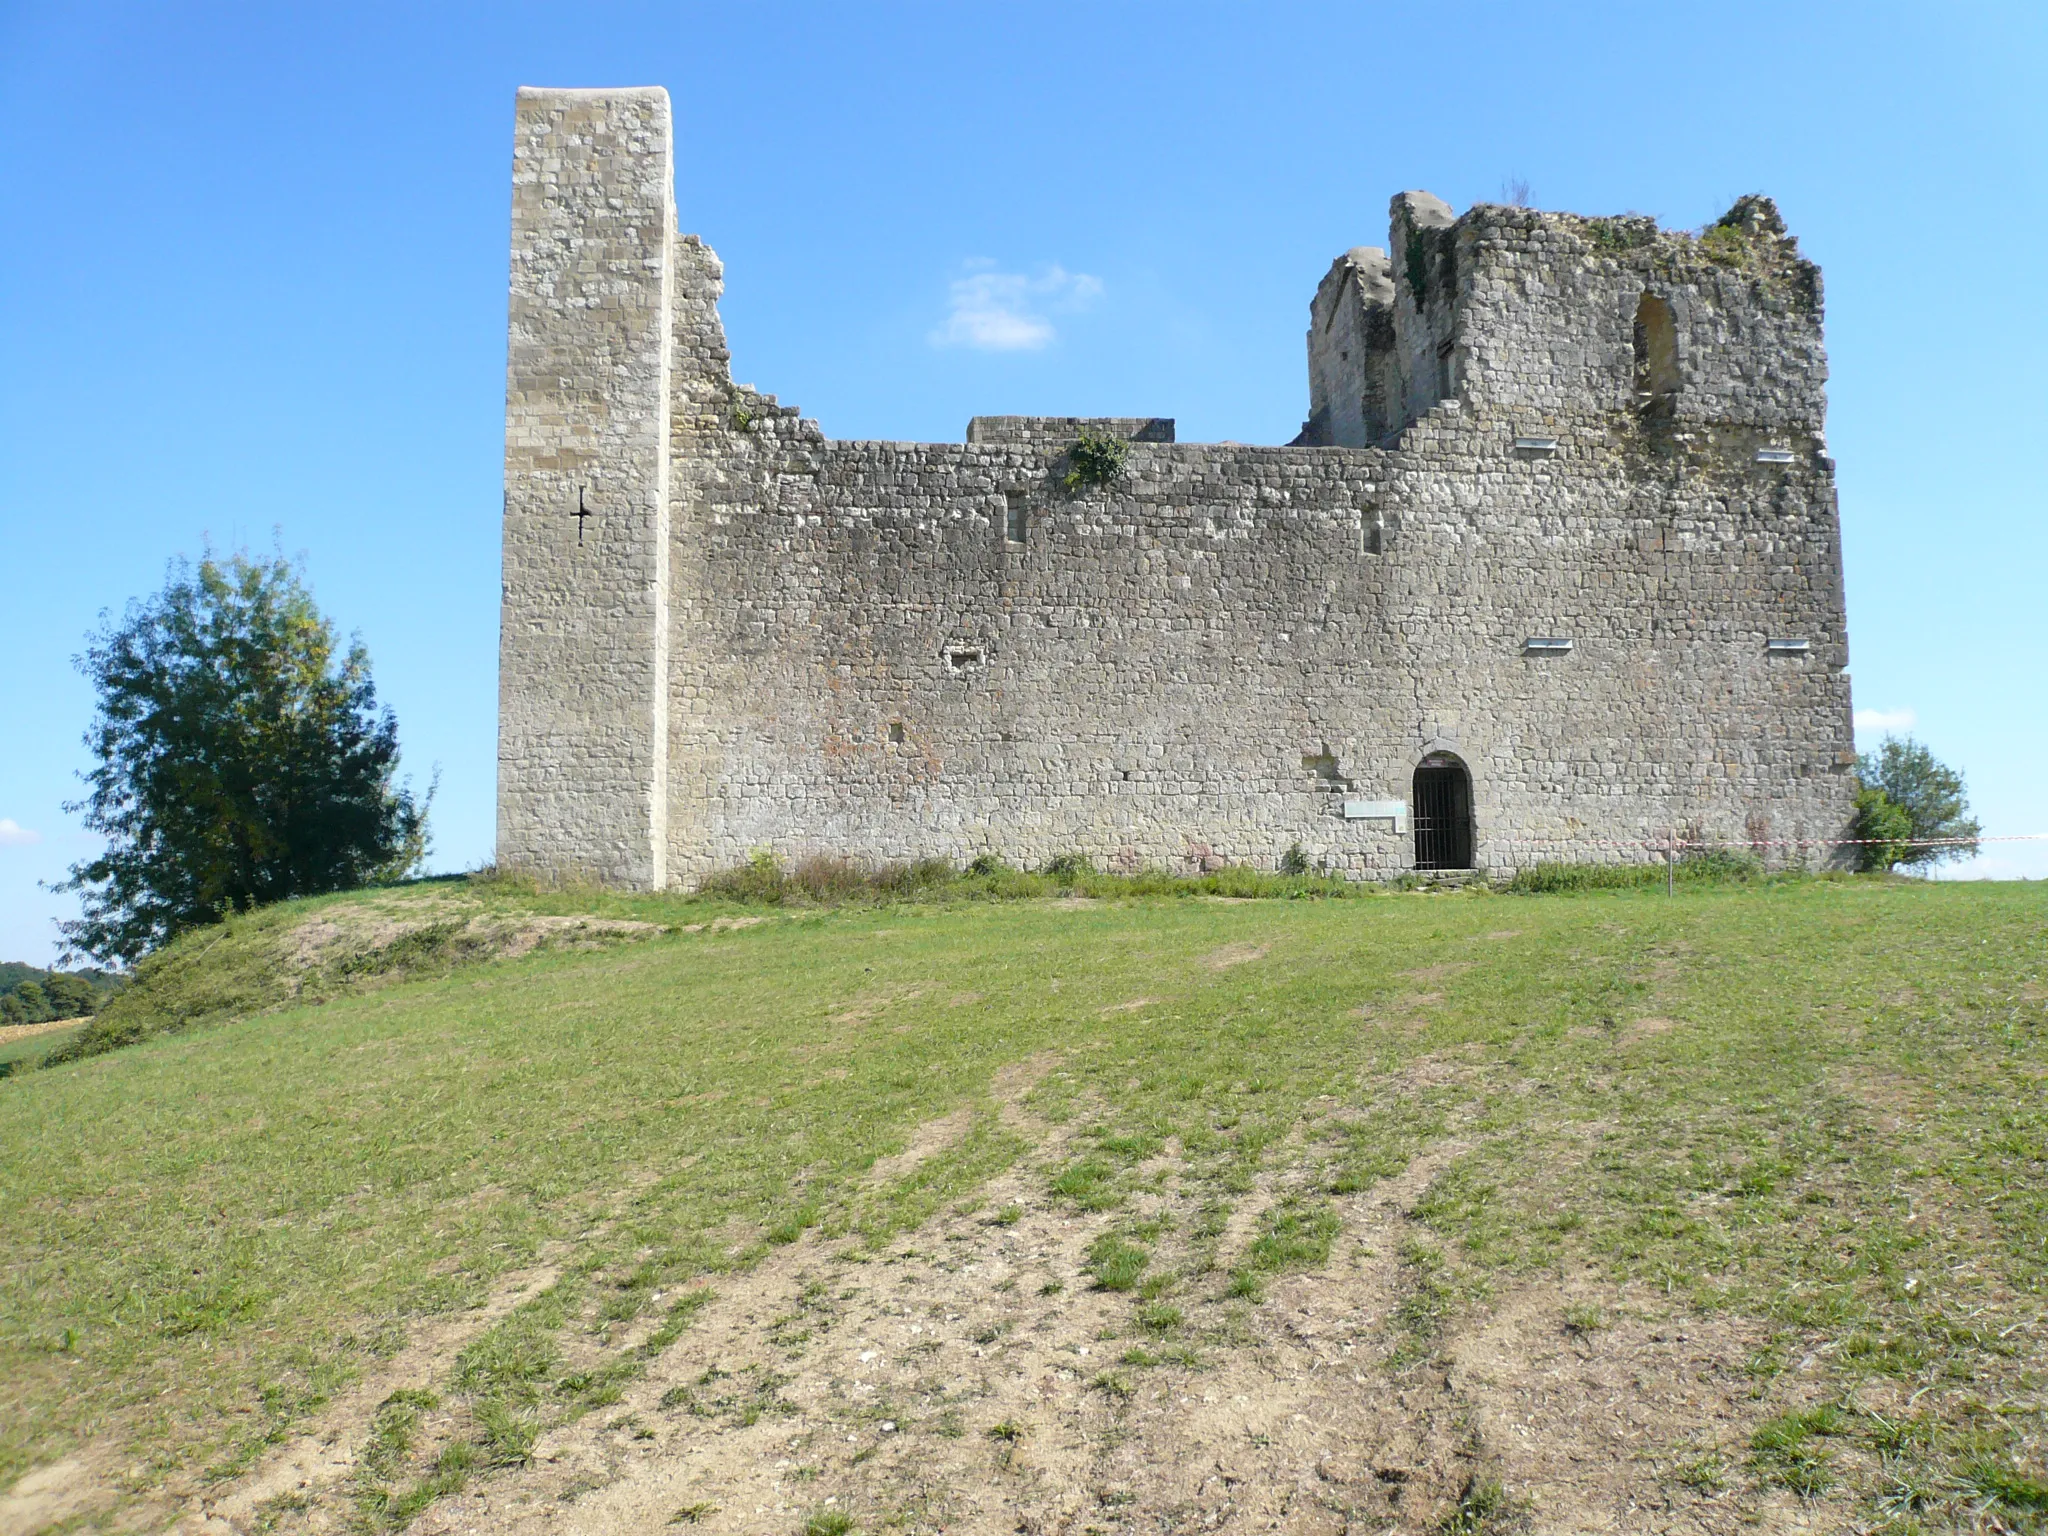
(1096, 458)
(1724, 245)
(1627, 233)
(1418, 268)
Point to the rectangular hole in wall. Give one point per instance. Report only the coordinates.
(960, 658)
(1017, 519)
(896, 731)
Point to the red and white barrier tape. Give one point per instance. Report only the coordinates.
(1662, 845)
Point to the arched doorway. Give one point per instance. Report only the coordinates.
(1443, 813)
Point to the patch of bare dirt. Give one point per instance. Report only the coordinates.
(1438, 972)
(723, 924)
(1233, 954)
(48, 1496)
(1642, 1029)
(1608, 1410)
(930, 1139)
(867, 1009)
(360, 932)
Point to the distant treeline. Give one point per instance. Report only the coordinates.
(31, 995)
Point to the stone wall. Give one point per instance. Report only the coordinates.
(898, 650)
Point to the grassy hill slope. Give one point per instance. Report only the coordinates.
(517, 1165)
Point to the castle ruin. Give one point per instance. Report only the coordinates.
(1552, 570)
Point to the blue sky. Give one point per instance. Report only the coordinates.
(252, 285)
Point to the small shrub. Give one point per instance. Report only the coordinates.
(1068, 867)
(830, 877)
(759, 880)
(1096, 458)
(828, 1522)
(1294, 861)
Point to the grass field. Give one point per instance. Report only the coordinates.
(1813, 1114)
(22, 1050)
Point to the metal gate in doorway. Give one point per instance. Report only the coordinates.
(1443, 813)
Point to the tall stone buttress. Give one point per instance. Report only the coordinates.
(583, 650)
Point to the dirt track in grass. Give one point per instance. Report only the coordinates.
(969, 1377)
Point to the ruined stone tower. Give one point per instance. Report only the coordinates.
(1552, 570)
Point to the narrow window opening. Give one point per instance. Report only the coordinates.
(1656, 340)
(1443, 813)
(959, 659)
(896, 732)
(1017, 522)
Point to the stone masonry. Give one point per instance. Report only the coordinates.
(1561, 521)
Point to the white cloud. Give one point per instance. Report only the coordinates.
(994, 311)
(15, 836)
(2000, 861)
(1888, 722)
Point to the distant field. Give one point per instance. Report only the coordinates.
(1528, 1210)
(25, 1045)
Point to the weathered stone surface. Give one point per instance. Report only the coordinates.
(772, 639)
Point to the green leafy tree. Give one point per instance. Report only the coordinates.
(71, 997)
(241, 759)
(1883, 831)
(33, 1002)
(1908, 797)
